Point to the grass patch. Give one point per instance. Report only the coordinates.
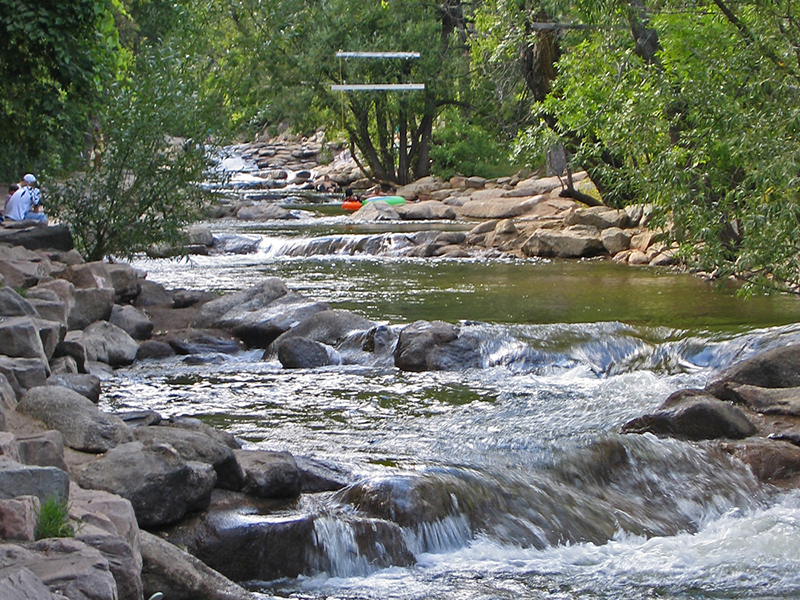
(52, 521)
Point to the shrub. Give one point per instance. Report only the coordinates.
(52, 519)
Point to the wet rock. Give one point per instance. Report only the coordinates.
(259, 328)
(83, 383)
(436, 346)
(201, 342)
(241, 538)
(777, 368)
(269, 474)
(132, 321)
(83, 425)
(154, 349)
(260, 296)
(573, 242)
(694, 415)
(302, 353)
(768, 401)
(199, 447)
(180, 576)
(772, 461)
(236, 244)
(330, 327)
(140, 418)
(317, 476)
(264, 212)
(223, 437)
(30, 480)
(68, 567)
(161, 486)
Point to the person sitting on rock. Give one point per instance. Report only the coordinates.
(327, 185)
(24, 204)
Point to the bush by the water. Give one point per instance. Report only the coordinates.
(53, 519)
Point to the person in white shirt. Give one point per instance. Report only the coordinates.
(24, 203)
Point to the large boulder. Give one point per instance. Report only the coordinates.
(599, 217)
(773, 461)
(20, 583)
(91, 304)
(212, 314)
(269, 474)
(22, 268)
(376, 211)
(197, 446)
(180, 576)
(18, 518)
(48, 304)
(106, 343)
(436, 346)
(424, 185)
(499, 208)
(66, 566)
(44, 449)
(576, 241)
(132, 321)
(302, 353)
(330, 327)
(777, 368)
(259, 328)
(84, 426)
(54, 237)
(694, 415)
(83, 383)
(125, 281)
(161, 486)
(768, 401)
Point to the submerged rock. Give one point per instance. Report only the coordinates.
(436, 346)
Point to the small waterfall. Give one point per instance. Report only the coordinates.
(384, 244)
(336, 539)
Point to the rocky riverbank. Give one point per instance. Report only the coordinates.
(157, 503)
(525, 215)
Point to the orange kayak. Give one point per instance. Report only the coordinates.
(351, 205)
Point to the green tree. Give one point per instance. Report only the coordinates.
(55, 60)
(143, 187)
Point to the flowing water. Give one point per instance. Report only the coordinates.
(510, 480)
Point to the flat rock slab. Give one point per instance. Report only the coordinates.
(29, 480)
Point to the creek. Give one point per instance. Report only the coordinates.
(510, 480)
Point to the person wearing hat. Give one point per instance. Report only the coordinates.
(24, 203)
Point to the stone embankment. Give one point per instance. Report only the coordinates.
(168, 505)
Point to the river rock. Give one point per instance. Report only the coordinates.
(161, 486)
(14, 305)
(436, 346)
(19, 583)
(199, 447)
(259, 328)
(264, 212)
(599, 217)
(499, 208)
(23, 373)
(615, 240)
(125, 281)
(375, 211)
(91, 305)
(317, 476)
(18, 517)
(132, 321)
(694, 415)
(107, 343)
(83, 383)
(302, 353)
(68, 567)
(330, 327)
(8, 446)
(573, 242)
(192, 424)
(212, 313)
(29, 480)
(22, 268)
(154, 349)
(181, 576)
(45, 449)
(236, 244)
(424, 185)
(83, 425)
(772, 461)
(241, 538)
(427, 210)
(269, 474)
(777, 368)
(48, 304)
(204, 342)
(152, 294)
(19, 338)
(768, 401)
